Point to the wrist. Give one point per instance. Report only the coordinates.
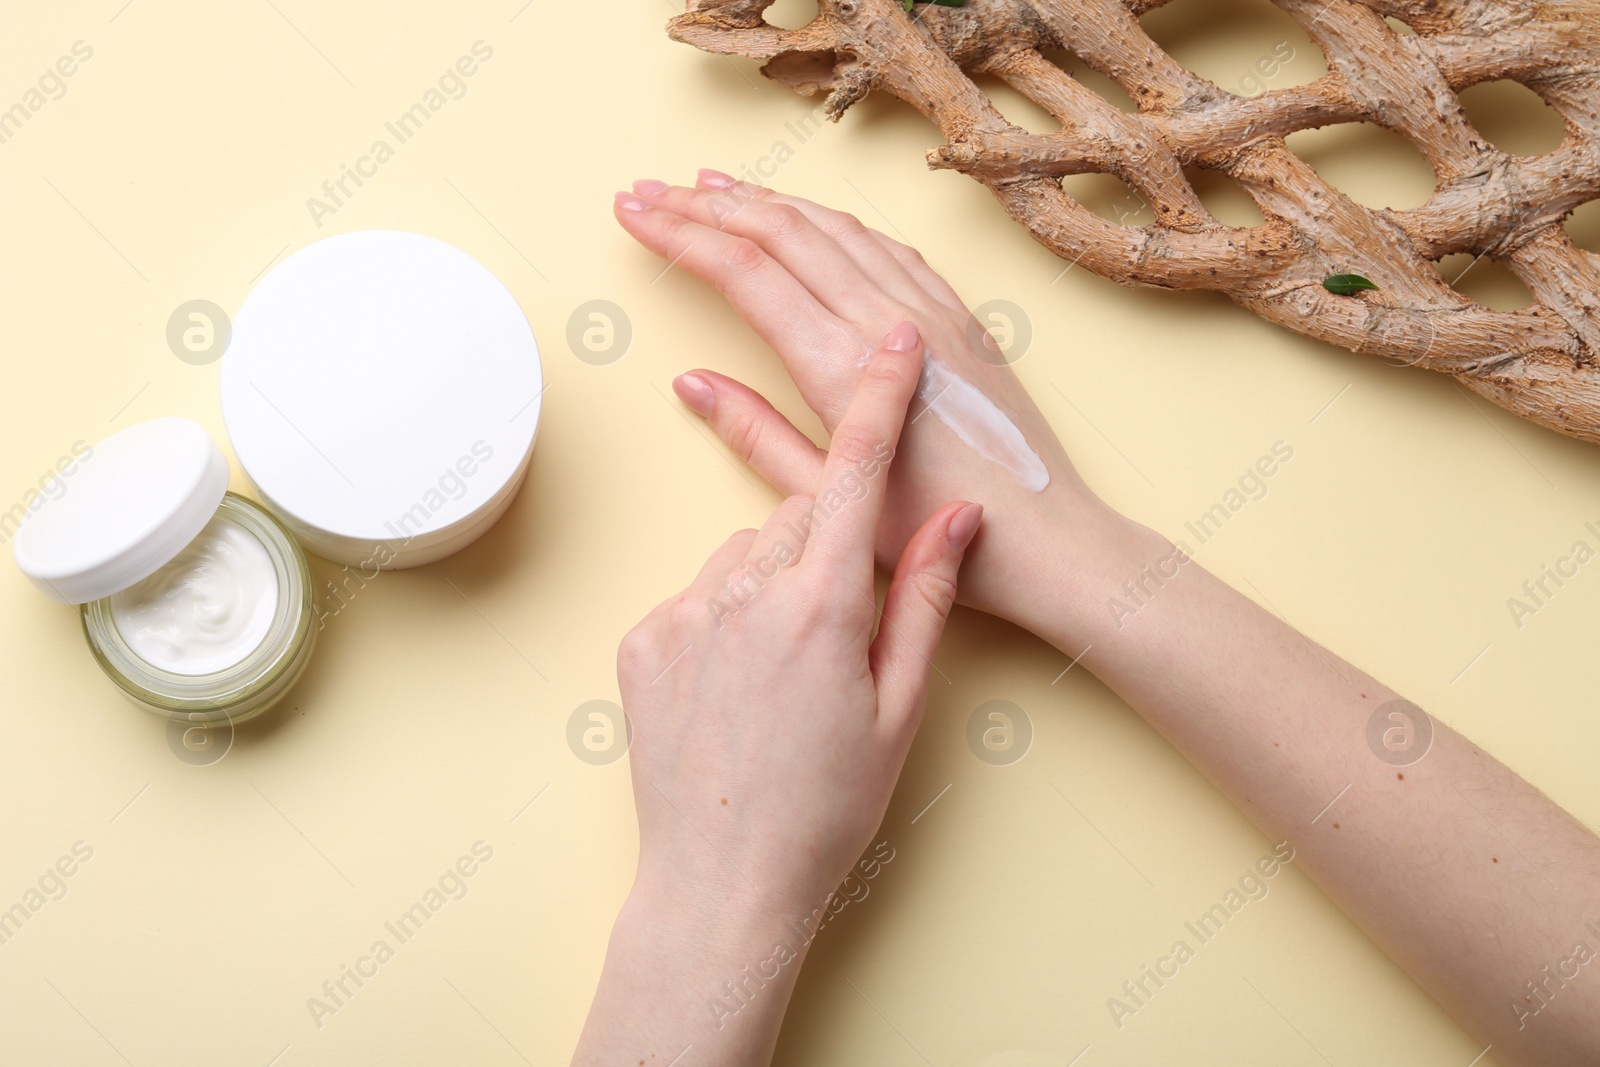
(1052, 567)
(684, 968)
(723, 907)
(727, 951)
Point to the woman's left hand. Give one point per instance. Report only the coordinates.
(770, 724)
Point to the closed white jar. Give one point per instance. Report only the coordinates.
(382, 391)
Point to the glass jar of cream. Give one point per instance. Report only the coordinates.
(196, 602)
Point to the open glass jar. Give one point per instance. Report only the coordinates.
(197, 603)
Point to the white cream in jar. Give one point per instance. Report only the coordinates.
(206, 610)
(196, 602)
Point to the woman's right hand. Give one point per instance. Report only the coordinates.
(820, 288)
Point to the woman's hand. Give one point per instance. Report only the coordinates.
(769, 727)
(1280, 725)
(769, 723)
(820, 288)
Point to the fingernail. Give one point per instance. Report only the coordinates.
(649, 187)
(903, 338)
(715, 178)
(963, 526)
(629, 202)
(696, 392)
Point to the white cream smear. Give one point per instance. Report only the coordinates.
(981, 425)
(206, 610)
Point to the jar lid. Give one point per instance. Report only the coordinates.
(132, 504)
(382, 389)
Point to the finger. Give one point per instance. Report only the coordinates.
(778, 544)
(754, 429)
(917, 267)
(765, 295)
(854, 476)
(724, 559)
(920, 596)
(876, 258)
(708, 581)
(785, 233)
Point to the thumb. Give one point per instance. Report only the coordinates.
(919, 600)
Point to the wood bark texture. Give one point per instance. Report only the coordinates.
(1539, 362)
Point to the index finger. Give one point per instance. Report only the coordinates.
(849, 500)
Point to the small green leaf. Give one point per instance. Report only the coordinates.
(948, 3)
(1346, 284)
(908, 5)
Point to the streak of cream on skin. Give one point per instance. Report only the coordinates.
(981, 425)
(206, 610)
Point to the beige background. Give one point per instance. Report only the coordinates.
(219, 898)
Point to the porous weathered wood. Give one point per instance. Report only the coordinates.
(1540, 362)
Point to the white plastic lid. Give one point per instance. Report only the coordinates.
(382, 388)
(135, 500)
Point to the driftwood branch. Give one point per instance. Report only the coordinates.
(1540, 363)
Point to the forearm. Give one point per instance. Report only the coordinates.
(1475, 882)
(710, 977)
(1472, 880)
